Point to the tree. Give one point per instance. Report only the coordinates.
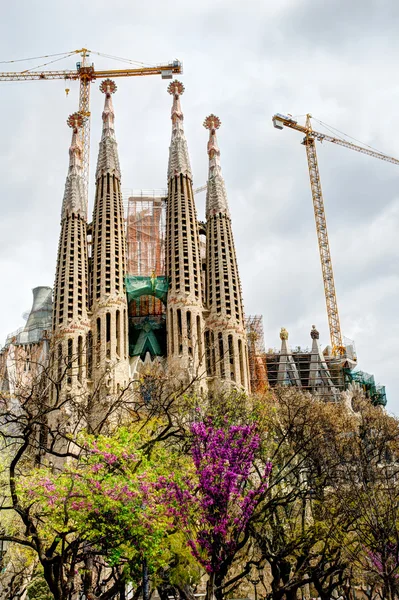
(215, 507)
(301, 542)
(39, 429)
(367, 492)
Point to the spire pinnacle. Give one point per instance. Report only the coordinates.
(74, 199)
(179, 161)
(108, 160)
(108, 87)
(75, 121)
(176, 89)
(212, 122)
(216, 197)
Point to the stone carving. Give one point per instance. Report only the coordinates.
(179, 161)
(283, 334)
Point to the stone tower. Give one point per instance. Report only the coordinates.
(183, 263)
(70, 319)
(108, 345)
(225, 337)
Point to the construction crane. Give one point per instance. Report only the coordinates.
(86, 74)
(280, 121)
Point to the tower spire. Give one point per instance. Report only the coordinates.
(108, 159)
(183, 259)
(225, 339)
(108, 266)
(74, 198)
(216, 197)
(70, 319)
(179, 161)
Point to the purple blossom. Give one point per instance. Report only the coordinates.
(226, 497)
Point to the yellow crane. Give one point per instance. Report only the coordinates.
(86, 74)
(280, 121)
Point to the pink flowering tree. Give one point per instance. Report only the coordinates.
(382, 564)
(105, 505)
(216, 505)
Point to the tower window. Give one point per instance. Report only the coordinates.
(179, 331)
(231, 358)
(89, 353)
(241, 362)
(221, 355)
(69, 363)
(80, 359)
(118, 333)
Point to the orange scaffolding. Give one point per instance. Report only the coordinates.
(145, 233)
(256, 353)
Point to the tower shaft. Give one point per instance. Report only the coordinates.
(225, 337)
(108, 267)
(183, 264)
(70, 319)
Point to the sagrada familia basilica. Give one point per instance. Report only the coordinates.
(111, 312)
(202, 311)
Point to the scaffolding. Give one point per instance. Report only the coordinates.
(297, 369)
(256, 353)
(145, 234)
(146, 284)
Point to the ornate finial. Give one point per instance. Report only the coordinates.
(108, 86)
(176, 87)
(179, 162)
(108, 161)
(314, 334)
(216, 199)
(74, 200)
(75, 120)
(283, 334)
(212, 122)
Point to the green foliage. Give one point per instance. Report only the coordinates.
(108, 499)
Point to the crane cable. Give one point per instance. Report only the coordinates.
(126, 60)
(4, 62)
(48, 63)
(334, 131)
(60, 56)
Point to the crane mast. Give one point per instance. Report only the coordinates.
(280, 121)
(86, 74)
(84, 109)
(324, 246)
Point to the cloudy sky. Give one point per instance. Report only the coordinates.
(244, 61)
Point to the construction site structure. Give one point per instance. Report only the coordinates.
(256, 353)
(153, 284)
(309, 369)
(27, 349)
(311, 136)
(145, 236)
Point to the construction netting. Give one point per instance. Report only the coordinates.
(147, 298)
(138, 286)
(375, 392)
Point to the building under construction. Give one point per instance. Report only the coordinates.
(145, 236)
(154, 283)
(309, 369)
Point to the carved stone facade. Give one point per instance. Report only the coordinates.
(70, 311)
(197, 292)
(184, 315)
(108, 345)
(225, 335)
